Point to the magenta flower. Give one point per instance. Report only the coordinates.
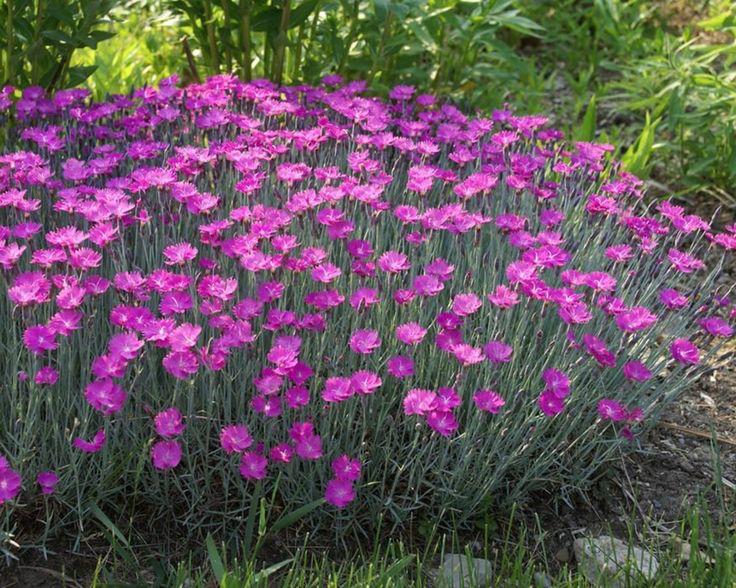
(253, 466)
(10, 483)
(467, 354)
(47, 375)
(442, 422)
(235, 438)
(47, 481)
(685, 352)
(339, 493)
(465, 304)
(39, 338)
(488, 401)
(393, 262)
(337, 389)
(635, 319)
(309, 447)
(611, 410)
(410, 333)
(550, 404)
(365, 382)
(716, 327)
(179, 254)
(166, 455)
(105, 396)
(169, 423)
(636, 371)
(98, 441)
(503, 297)
(419, 401)
(365, 341)
(498, 352)
(181, 364)
(400, 366)
(557, 383)
(346, 469)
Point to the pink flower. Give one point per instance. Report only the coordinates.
(635, 319)
(365, 382)
(550, 404)
(685, 352)
(400, 366)
(410, 333)
(298, 396)
(442, 422)
(253, 465)
(10, 483)
(181, 364)
(467, 354)
(427, 285)
(105, 396)
(98, 441)
(636, 371)
(337, 389)
(716, 327)
(419, 401)
(47, 375)
(684, 262)
(465, 304)
(166, 454)
(611, 410)
(346, 469)
(47, 481)
(326, 273)
(39, 338)
(365, 341)
(488, 401)
(503, 297)
(498, 352)
(557, 382)
(309, 447)
(339, 493)
(235, 438)
(393, 262)
(169, 423)
(283, 453)
(179, 254)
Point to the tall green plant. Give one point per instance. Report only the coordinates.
(38, 39)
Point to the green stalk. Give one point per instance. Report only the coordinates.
(211, 39)
(387, 23)
(9, 33)
(298, 54)
(228, 48)
(277, 67)
(351, 36)
(245, 42)
(34, 47)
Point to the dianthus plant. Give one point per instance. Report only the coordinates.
(232, 290)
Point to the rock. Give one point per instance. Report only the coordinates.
(542, 580)
(610, 561)
(461, 571)
(562, 555)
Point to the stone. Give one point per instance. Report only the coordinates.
(542, 580)
(609, 561)
(461, 571)
(562, 555)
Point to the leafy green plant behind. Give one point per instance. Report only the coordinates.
(444, 45)
(146, 48)
(38, 39)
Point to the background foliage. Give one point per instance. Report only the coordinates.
(654, 77)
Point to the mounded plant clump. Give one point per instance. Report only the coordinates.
(388, 310)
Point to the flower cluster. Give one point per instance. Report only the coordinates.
(309, 272)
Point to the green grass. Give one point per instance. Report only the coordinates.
(519, 561)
